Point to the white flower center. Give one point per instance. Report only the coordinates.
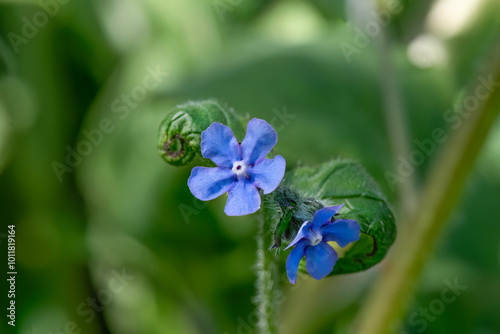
(315, 240)
(239, 168)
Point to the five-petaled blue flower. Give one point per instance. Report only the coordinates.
(242, 168)
(311, 242)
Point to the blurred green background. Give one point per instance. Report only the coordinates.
(120, 225)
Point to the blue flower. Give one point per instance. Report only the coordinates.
(242, 168)
(312, 242)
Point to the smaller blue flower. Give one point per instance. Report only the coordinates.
(312, 242)
(241, 168)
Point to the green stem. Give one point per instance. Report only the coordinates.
(267, 298)
(396, 121)
(440, 193)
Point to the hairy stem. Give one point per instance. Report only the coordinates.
(267, 298)
(440, 193)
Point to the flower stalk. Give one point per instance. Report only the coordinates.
(268, 295)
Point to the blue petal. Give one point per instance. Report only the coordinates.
(208, 183)
(243, 199)
(293, 260)
(268, 173)
(304, 233)
(259, 141)
(323, 216)
(320, 260)
(219, 145)
(343, 231)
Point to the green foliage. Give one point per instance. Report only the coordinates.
(337, 182)
(180, 132)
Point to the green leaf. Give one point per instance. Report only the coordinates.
(180, 132)
(341, 181)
